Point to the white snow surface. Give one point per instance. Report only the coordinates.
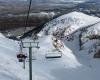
(73, 65)
(9, 66)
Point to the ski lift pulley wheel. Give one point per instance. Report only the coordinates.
(21, 57)
(53, 55)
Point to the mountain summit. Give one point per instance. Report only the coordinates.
(73, 20)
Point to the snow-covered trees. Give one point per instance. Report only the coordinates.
(90, 39)
(58, 44)
(64, 33)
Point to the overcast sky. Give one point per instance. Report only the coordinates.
(46, 1)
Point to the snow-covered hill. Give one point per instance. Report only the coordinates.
(79, 62)
(10, 69)
(74, 64)
(72, 22)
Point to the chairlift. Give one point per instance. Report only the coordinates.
(50, 55)
(21, 57)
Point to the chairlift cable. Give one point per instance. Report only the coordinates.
(28, 13)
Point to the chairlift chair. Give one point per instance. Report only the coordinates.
(21, 57)
(53, 55)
